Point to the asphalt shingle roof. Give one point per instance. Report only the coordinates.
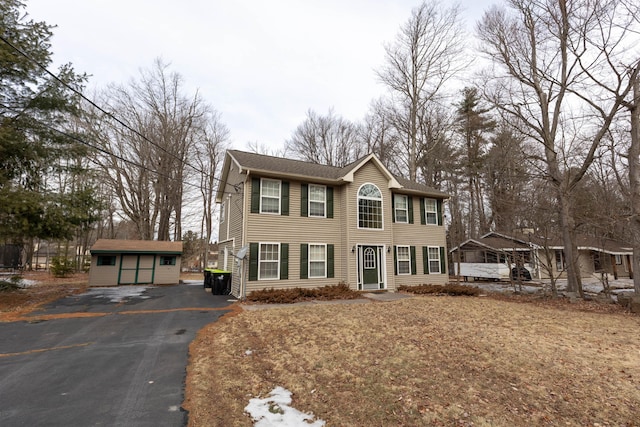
(279, 165)
(138, 246)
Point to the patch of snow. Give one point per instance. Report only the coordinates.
(274, 411)
(120, 293)
(25, 283)
(591, 285)
(193, 282)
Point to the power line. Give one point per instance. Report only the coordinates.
(107, 113)
(105, 151)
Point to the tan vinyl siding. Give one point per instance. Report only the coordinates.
(419, 235)
(230, 233)
(104, 275)
(134, 268)
(369, 173)
(295, 230)
(231, 227)
(167, 274)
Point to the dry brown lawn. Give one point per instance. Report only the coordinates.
(423, 361)
(15, 304)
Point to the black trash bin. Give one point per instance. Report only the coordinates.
(220, 282)
(208, 277)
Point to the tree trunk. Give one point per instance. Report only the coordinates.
(574, 282)
(634, 181)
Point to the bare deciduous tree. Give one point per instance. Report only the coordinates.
(148, 141)
(428, 52)
(209, 154)
(634, 179)
(559, 69)
(328, 140)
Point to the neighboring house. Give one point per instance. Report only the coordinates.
(494, 254)
(129, 262)
(307, 225)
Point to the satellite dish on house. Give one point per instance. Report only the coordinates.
(242, 252)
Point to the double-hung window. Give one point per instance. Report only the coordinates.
(431, 211)
(269, 196)
(369, 207)
(317, 261)
(403, 256)
(434, 259)
(401, 206)
(317, 201)
(269, 261)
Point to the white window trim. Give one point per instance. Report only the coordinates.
(223, 211)
(381, 200)
(324, 276)
(260, 261)
(324, 201)
(429, 259)
(398, 260)
(406, 209)
(427, 212)
(262, 180)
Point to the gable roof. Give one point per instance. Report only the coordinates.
(496, 243)
(270, 166)
(136, 246)
(503, 242)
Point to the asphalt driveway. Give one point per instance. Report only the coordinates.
(110, 357)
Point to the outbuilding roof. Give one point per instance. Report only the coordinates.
(136, 246)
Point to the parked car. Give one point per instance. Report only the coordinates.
(520, 273)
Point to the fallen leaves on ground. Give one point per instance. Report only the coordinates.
(422, 361)
(47, 288)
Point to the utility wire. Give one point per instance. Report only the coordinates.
(105, 151)
(109, 114)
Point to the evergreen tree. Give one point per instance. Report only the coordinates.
(35, 141)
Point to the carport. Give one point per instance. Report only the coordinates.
(134, 262)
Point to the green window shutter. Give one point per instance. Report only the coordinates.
(255, 195)
(423, 216)
(443, 261)
(439, 208)
(304, 199)
(284, 261)
(393, 207)
(284, 198)
(410, 203)
(253, 261)
(329, 202)
(395, 260)
(304, 261)
(330, 263)
(425, 259)
(413, 259)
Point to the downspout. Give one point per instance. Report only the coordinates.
(246, 207)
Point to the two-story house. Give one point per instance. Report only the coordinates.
(287, 223)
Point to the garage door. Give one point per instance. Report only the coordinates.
(137, 269)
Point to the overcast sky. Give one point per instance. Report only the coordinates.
(261, 64)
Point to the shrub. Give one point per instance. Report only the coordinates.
(61, 266)
(290, 296)
(448, 289)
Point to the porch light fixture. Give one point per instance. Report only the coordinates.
(388, 249)
(353, 249)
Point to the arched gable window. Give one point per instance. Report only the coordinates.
(369, 207)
